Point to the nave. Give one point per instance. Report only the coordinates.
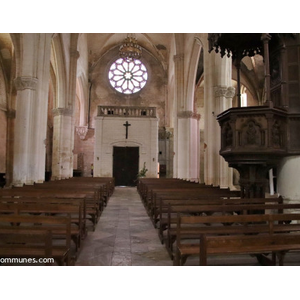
(124, 235)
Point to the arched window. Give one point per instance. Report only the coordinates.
(127, 77)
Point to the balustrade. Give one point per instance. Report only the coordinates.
(128, 111)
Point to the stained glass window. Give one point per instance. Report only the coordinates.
(127, 76)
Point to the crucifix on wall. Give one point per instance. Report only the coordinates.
(126, 125)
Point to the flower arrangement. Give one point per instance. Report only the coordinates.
(143, 171)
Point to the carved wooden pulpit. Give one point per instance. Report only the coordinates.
(255, 139)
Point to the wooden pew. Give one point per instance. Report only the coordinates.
(21, 237)
(19, 244)
(91, 205)
(257, 234)
(95, 190)
(152, 188)
(166, 205)
(168, 235)
(106, 184)
(50, 207)
(199, 194)
(93, 195)
(109, 183)
(145, 185)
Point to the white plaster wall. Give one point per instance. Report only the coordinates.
(110, 132)
(288, 178)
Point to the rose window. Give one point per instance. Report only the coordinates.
(127, 76)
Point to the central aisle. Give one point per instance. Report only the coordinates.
(124, 235)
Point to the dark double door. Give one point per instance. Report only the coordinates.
(125, 165)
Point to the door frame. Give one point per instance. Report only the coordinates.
(126, 157)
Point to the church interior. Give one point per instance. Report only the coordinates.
(65, 101)
(149, 155)
(220, 110)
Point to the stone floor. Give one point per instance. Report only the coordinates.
(125, 236)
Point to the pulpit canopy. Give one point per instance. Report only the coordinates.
(236, 45)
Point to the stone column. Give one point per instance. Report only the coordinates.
(40, 118)
(188, 145)
(11, 116)
(23, 138)
(63, 134)
(218, 95)
(31, 108)
(223, 97)
(179, 100)
(74, 55)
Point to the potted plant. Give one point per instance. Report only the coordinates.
(142, 172)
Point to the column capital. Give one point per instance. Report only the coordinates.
(81, 131)
(224, 91)
(62, 111)
(25, 82)
(188, 114)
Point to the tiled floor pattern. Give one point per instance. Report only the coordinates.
(125, 236)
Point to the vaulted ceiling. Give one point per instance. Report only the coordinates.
(158, 44)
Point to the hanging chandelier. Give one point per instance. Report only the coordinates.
(130, 49)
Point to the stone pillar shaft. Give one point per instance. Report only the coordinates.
(224, 97)
(218, 97)
(62, 157)
(188, 147)
(31, 109)
(23, 139)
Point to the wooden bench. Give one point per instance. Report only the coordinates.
(145, 185)
(93, 189)
(109, 182)
(155, 207)
(25, 245)
(92, 195)
(50, 207)
(104, 184)
(168, 234)
(247, 234)
(166, 205)
(91, 205)
(152, 189)
(28, 237)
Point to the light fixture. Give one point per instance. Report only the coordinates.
(130, 49)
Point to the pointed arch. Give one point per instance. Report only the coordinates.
(59, 70)
(80, 96)
(191, 82)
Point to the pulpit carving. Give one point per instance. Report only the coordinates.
(276, 135)
(228, 135)
(252, 134)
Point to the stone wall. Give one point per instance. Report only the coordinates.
(84, 152)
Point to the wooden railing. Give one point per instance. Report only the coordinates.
(128, 111)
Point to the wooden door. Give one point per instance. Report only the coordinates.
(125, 165)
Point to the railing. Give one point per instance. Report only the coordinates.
(128, 111)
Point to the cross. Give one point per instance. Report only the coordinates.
(126, 125)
